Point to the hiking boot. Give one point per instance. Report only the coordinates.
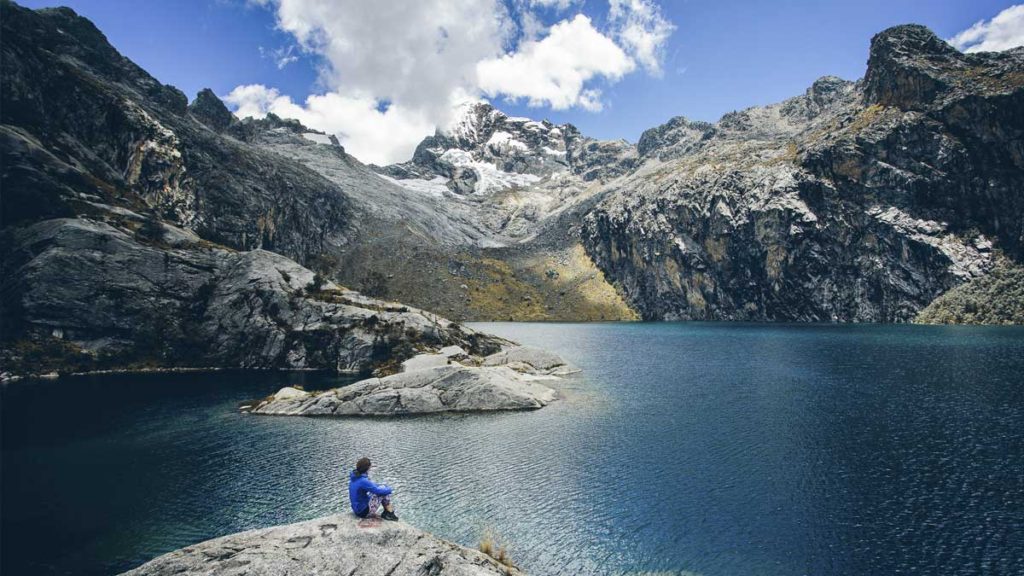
(389, 516)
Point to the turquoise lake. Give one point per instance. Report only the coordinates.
(682, 448)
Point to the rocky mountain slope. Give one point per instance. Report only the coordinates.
(136, 229)
(856, 201)
(853, 202)
(84, 127)
(480, 225)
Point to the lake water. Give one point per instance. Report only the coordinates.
(712, 449)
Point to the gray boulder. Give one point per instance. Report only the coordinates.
(450, 388)
(334, 545)
(124, 299)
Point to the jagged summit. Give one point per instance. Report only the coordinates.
(850, 201)
(484, 151)
(911, 68)
(209, 109)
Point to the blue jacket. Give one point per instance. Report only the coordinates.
(359, 489)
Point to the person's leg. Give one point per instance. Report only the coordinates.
(389, 510)
(375, 503)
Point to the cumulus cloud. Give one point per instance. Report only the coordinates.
(556, 4)
(1003, 32)
(642, 30)
(282, 57)
(382, 136)
(423, 57)
(553, 71)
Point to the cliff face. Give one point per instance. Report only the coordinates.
(136, 227)
(82, 125)
(167, 299)
(853, 202)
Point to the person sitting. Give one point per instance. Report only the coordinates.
(365, 496)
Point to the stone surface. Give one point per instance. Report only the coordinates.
(508, 380)
(341, 545)
(535, 360)
(125, 300)
(853, 202)
(81, 123)
(856, 201)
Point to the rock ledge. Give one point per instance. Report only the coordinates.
(447, 381)
(334, 545)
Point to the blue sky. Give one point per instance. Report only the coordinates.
(722, 55)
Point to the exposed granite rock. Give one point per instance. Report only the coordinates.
(339, 545)
(508, 380)
(208, 109)
(123, 299)
(81, 123)
(853, 202)
(530, 360)
(486, 151)
(675, 138)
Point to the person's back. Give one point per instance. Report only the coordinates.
(366, 497)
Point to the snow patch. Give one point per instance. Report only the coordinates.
(501, 138)
(318, 138)
(490, 179)
(436, 187)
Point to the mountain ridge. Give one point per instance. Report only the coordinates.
(855, 201)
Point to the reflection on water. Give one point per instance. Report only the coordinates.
(685, 448)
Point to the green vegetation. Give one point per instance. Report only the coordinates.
(994, 299)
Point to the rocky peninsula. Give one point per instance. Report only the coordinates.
(334, 545)
(449, 380)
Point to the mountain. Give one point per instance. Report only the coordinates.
(503, 248)
(485, 151)
(123, 204)
(140, 231)
(853, 202)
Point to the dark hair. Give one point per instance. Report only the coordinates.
(363, 465)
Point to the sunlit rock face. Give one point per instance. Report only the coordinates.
(852, 202)
(339, 544)
(486, 151)
(171, 300)
(83, 125)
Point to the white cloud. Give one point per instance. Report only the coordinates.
(556, 4)
(381, 137)
(425, 56)
(554, 71)
(642, 30)
(282, 57)
(1003, 32)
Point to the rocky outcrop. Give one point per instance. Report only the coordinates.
(675, 138)
(208, 109)
(81, 124)
(447, 381)
(334, 545)
(169, 299)
(485, 151)
(852, 202)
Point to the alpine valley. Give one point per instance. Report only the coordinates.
(140, 230)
